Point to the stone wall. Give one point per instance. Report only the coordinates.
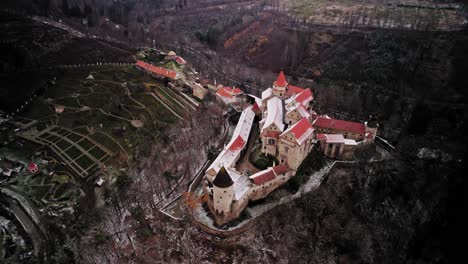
(258, 192)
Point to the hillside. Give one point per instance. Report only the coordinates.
(359, 214)
(399, 62)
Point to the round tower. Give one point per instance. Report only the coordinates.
(223, 191)
(280, 86)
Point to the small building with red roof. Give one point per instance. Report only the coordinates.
(229, 95)
(180, 61)
(33, 168)
(173, 56)
(282, 89)
(157, 71)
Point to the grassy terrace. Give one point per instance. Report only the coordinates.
(164, 94)
(103, 109)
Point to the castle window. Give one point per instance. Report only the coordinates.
(271, 141)
(224, 191)
(220, 197)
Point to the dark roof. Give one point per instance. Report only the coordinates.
(222, 179)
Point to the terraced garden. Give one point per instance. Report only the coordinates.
(117, 108)
(81, 154)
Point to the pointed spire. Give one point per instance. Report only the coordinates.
(222, 179)
(281, 80)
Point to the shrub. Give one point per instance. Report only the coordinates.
(264, 161)
(122, 181)
(212, 153)
(314, 161)
(144, 232)
(100, 238)
(168, 176)
(138, 213)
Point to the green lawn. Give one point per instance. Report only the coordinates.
(63, 144)
(86, 144)
(84, 162)
(97, 153)
(73, 152)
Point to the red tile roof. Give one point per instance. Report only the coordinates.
(256, 107)
(233, 90)
(321, 137)
(301, 127)
(271, 134)
(238, 143)
(157, 70)
(180, 60)
(222, 92)
(32, 167)
(292, 90)
(281, 169)
(340, 125)
(281, 80)
(304, 97)
(263, 176)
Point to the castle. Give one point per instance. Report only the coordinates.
(288, 130)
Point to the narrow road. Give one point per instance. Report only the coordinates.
(26, 216)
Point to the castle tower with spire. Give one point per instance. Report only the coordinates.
(280, 86)
(223, 191)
